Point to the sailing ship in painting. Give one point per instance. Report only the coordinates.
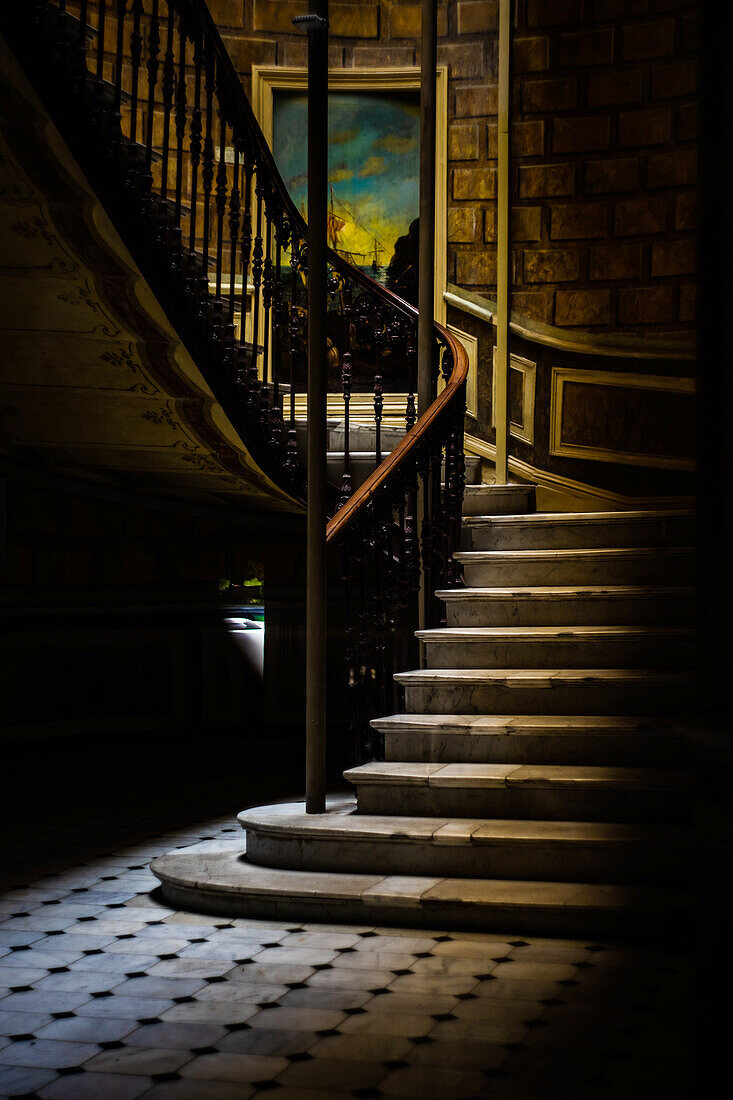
(336, 224)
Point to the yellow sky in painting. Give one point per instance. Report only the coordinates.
(373, 154)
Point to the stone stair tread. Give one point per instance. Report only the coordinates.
(565, 592)
(543, 633)
(491, 724)
(510, 487)
(292, 821)
(214, 879)
(542, 677)
(572, 554)
(538, 519)
(516, 775)
(482, 487)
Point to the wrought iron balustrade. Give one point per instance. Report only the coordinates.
(146, 95)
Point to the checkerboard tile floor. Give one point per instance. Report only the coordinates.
(107, 994)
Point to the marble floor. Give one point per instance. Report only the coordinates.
(107, 994)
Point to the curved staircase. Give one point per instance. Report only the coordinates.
(533, 774)
(536, 779)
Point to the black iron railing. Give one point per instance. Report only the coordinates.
(147, 97)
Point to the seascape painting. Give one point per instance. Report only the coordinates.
(373, 173)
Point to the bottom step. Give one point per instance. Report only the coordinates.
(221, 881)
(342, 840)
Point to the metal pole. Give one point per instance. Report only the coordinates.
(426, 271)
(426, 268)
(316, 24)
(501, 363)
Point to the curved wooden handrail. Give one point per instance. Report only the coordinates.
(407, 445)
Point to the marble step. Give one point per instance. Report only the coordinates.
(635, 565)
(219, 880)
(542, 792)
(547, 691)
(533, 739)
(284, 836)
(557, 646)
(569, 605)
(568, 530)
(497, 500)
(362, 436)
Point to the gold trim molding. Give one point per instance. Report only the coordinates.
(581, 343)
(561, 375)
(528, 371)
(592, 495)
(470, 343)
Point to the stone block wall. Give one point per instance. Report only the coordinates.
(603, 141)
(606, 188)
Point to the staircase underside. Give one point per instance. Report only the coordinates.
(94, 381)
(537, 780)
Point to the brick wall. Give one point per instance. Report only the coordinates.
(603, 137)
(603, 175)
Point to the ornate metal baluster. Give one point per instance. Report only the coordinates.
(117, 130)
(181, 106)
(378, 406)
(256, 281)
(291, 458)
(267, 296)
(168, 86)
(80, 51)
(221, 207)
(207, 179)
(350, 648)
(99, 81)
(411, 352)
(412, 544)
(455, 488)
(246, 243)
(279, 318)
(195, 158)
(436, 519)
(346, 488)
(234, 212)
(153, 66)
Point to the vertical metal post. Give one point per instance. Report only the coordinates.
(501, 363)
(426, 268)
(316, 25)
(426, 271)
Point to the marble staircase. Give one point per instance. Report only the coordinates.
(537, 778)
(363, 456)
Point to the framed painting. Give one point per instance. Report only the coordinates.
(373, 164)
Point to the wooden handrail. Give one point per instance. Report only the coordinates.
(355, 505)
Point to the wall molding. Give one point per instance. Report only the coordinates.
(564, 448)
(528, 371)
(470, 343)
(567, 485)
(585, 343)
